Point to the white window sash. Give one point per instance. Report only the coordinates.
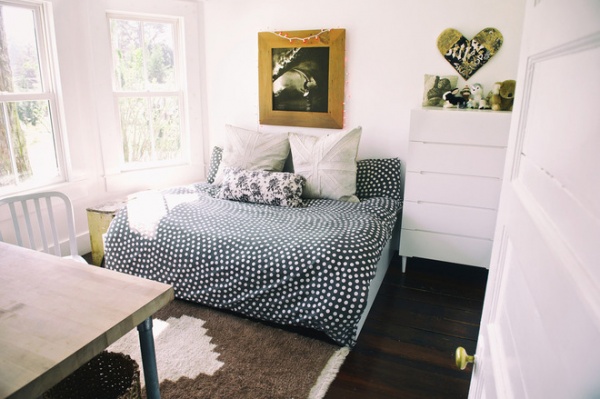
(44, 32)
(180, 91)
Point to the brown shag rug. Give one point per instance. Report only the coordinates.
(206, 353)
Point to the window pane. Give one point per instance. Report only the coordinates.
(128, 54)
(145, 140)
(27, 143)
(159, 42)
(21, 71)
(135, 127)
(143, 55)
(165, 123)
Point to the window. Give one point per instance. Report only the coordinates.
(148, 92)
(30, 153)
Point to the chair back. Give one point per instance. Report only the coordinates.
(34, 218)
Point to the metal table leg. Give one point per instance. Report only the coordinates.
(149, 359)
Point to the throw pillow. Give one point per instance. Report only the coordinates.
(215, 161)
(328, 163)
(247, 149)
(379, 178)
(262, 187)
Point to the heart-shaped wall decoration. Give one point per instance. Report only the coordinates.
(467, 56)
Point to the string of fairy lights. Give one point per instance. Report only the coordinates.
(315, 36)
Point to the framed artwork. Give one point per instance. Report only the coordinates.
(301, 78)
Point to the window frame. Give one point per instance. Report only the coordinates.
(50, 91)
(181, 92)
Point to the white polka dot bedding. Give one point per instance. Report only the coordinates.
(307, 266)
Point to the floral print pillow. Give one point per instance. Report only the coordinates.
(262, 187)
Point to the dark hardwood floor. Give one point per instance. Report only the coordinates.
(406, 348)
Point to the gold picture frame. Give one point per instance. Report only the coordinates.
(301, 78)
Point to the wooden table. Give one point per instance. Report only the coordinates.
(57, 314)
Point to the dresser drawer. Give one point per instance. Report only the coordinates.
(446, 248)
(487, 128)
(456, 159)
(481, 192)
(449, 219)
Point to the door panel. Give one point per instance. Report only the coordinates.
(566, 157)
(561, 322)
(569, 219)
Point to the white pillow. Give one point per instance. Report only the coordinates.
(327, 163)
(250, 150)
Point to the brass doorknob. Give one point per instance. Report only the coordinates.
(463, 358)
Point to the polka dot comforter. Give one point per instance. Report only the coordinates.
(309, 266)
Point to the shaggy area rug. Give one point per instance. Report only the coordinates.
(205, 353)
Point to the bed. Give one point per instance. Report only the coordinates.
(317, 265)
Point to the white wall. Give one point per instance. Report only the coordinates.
(390, 45)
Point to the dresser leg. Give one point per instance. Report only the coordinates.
(404, 258)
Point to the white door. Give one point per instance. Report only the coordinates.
(540, 330)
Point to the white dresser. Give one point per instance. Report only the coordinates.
(453, 178)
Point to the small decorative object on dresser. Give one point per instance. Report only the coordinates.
(453, 98)
(502, 95)
(476, 100)
(453, 178)
(434, 88)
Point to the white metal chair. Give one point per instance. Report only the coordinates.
(39, 212)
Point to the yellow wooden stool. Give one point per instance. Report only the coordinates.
(99, 218)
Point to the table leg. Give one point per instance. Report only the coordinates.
(149, 359)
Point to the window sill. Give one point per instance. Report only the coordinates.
(157, 178)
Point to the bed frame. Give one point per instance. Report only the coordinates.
(390, 249)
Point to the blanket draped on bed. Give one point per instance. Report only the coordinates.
(309, 266)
